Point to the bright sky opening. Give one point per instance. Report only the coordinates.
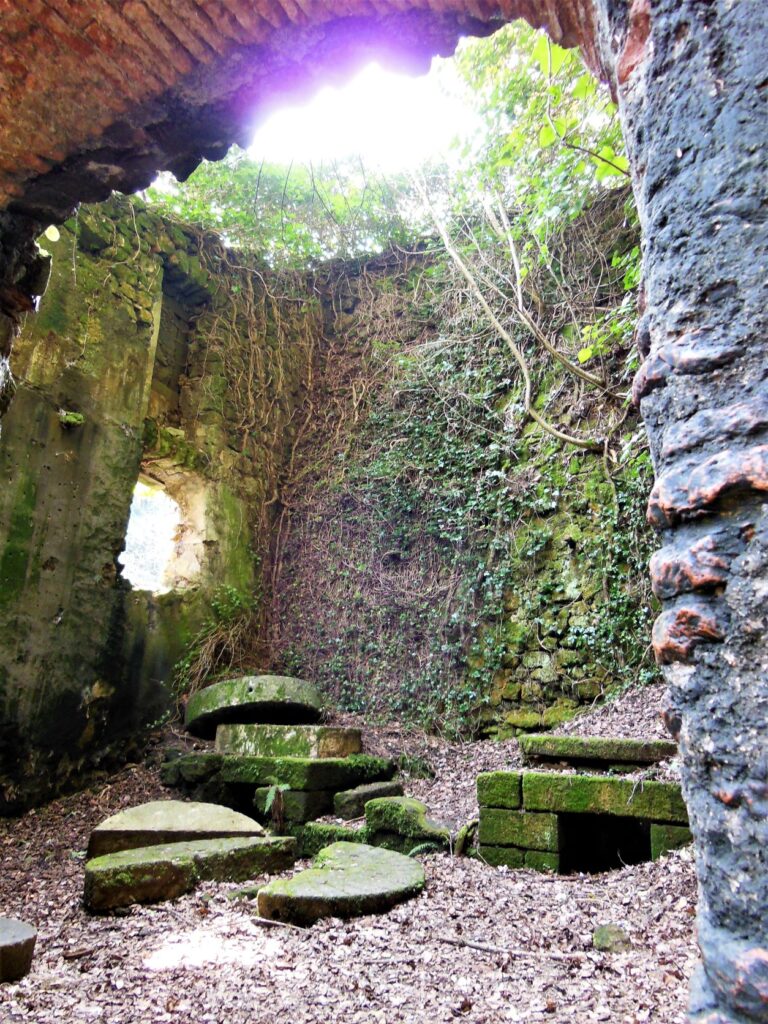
(390, 120)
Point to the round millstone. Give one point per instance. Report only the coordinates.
(276, 700)
(17, 944)
(169, 821)
(347, 880)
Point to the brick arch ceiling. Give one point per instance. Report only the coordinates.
(98, 96)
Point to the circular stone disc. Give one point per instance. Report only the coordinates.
(268, 699)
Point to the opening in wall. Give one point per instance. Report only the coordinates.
(601, 842)
(154, 530)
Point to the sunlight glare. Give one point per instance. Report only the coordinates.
(391, 121)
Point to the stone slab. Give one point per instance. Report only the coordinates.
(305, 773)
(538, 860)
(668, 837)
(525, 829)
(347, 880)
(500, 789)
(299, 806)
(600, 794)
(168, 821)
(259, 740)
(316, 835)
(268, 699)
(17, 944)
(350, 803)
(597, 750)
(154, 873)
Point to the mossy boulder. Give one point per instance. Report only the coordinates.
(306, 773)
(595, 750)
(401, 822)
(17, 944)
(168, 821)
(267, 699)
(350, 803)
(154, 873)
(600, 794)
(260, 740)
(347, 880)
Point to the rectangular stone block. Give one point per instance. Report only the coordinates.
(500, 789)
(502, 856)
(257, 740)
(601, 794)
(306, 773)
(540, 861)
(518, 828)
(350, 803)
(299, 805)
(668, 837)
(595, 750)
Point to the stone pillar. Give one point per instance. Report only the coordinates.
(692, 82)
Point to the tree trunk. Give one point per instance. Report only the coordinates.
(692, 81)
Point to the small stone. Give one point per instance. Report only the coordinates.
(268, 699)
(400, 822)
(17, 944)
(351, 803)
(610, 938)
(168, 821)
(347, 880)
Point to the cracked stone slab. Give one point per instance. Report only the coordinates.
(169, 821)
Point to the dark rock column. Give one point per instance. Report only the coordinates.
(692, 81)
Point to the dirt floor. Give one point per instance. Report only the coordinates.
(481, 944)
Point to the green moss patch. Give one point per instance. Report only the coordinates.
(316, 835)
(305, 773)
(154, 873)
(500, 789)
(406, 818)
(259, 740)
(351, 803)
(525, 829)
(668, 837)
(598, 794)
(347, 880)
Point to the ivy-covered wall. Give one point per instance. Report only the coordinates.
(149, 353)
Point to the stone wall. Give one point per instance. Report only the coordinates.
(130, 365)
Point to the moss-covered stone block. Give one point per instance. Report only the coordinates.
(502, 856)
(268, 699)
(347, 880)
(668, 837)
(599, 794)
(260, 740)
(541, 861)
(595, 750)
(521, 720)
(531, 831)
(168, 821)
(153, 873)
(351, 803)
(407, 818)
(299, 806)
(306, 773)
(316, 835)
(500, 789)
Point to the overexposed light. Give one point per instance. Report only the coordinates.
(390, 120)
(151, 537)
(201, 947)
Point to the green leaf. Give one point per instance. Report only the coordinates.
(547, 136)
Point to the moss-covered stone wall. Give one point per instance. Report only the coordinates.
(148, 354)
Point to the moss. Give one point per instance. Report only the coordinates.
(262, 740)
(598, 794)
(14, 563)
(502, 856)
(351, 803)
(405, 817)
(500, 789)
(306, 773)
(525, 829)
(69, 419)
(541, 861)
(668, 837)
(316, 835)
(265, 698)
